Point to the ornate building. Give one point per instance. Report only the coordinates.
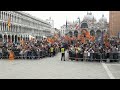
(88, 23)
(22, 26)
(95, 28)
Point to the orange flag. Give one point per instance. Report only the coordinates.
(82, 39)
(79, 37)
(9, 23)
(87, 34)
(92, 38)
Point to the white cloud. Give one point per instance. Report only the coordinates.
(60, 17)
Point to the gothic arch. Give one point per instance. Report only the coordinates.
(92, 33)
(98, 33)
(70, 33)
(84, 25)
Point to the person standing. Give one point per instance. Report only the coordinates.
(76, 52)
(88, 55)
(0, 53)
(85, 55)
(51, 51)
(62, 53)
(11, 55)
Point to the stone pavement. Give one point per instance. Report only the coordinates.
(51, 68)
(114, 69)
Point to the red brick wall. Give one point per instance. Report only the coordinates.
(114, 20)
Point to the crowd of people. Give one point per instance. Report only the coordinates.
(30, 50)
(89, 51)
(95, 51)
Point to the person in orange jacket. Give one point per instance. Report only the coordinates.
(11, 55)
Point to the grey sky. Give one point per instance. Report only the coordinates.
(60, 17)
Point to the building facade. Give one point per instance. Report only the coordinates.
(22, 26)
(89, 23)
(114, 17)
(50, 21)
(62, 30)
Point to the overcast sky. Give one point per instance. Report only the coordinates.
(60, 17)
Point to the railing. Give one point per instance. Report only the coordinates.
(29, 55)
(95, 56)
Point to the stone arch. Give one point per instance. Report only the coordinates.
(76, 33)
(1, 38)
(26, 38)
(5, 38)
(9, 38)
(70, 33)
(83, 31)
(98, 33)
(84, 25)
(12, 38)
(92, 33)
(16, 38)
(3, 26)
(21, 37)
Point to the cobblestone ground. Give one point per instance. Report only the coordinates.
(52, 68)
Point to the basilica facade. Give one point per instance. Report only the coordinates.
(89, 23)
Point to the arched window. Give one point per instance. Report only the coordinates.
(1, 14)
(0, 35)
(18, 19)
(92, 33)
(6, 16)
(84, 25)
(98, 33)
(5, 27)
(76, 33)
(10, 17)
(15, 19)
(70, 33)
(2, 26)
(1, 38)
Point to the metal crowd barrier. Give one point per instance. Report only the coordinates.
(95, 57)
(29, 55)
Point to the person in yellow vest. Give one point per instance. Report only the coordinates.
(51, 51)
(62, 53)
(11, 55)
